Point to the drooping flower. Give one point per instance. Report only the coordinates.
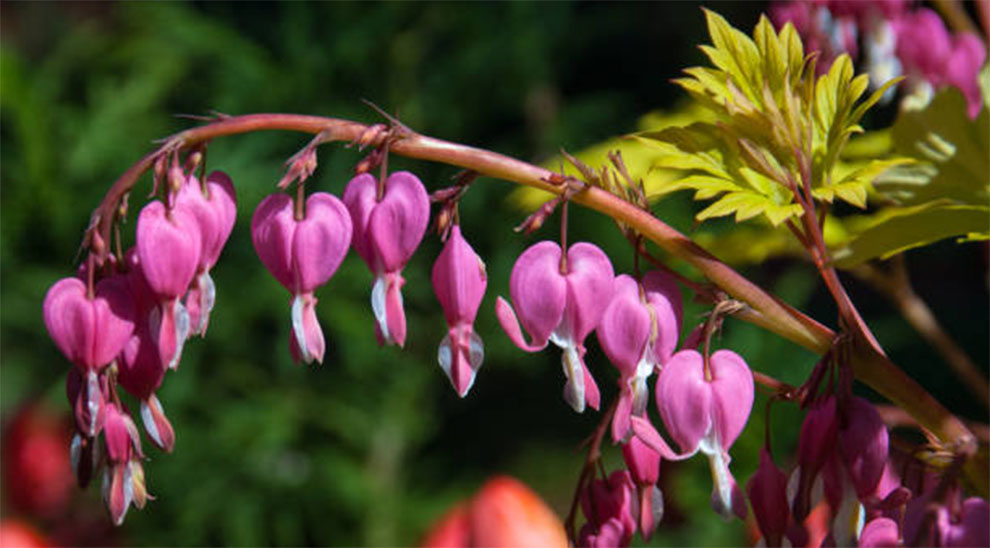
(863, 445)
(560, 303)
(387, 231)
(643, 464)
(123, 477)
(214, 206)
(302, 255)
(89, 330)
(459, 281)
(638, 332)
(767, 490)
(140, 370)
(168, 244)
(880, 533)
(610, 507)
(704, 409)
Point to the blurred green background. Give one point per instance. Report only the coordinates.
(370, 447)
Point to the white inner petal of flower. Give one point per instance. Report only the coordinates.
(149, 423)
(378, 291)
(299, 330)
(573, 369)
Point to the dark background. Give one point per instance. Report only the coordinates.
(370, 447)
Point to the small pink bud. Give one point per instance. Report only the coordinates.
(121, 434)
(563, 308)
(459, 281)
(89, 332)
(386, 234)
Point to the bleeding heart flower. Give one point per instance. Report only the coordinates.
(123, 477)
(863, 445)
(767, 490)
(638, 332)
(215, 208)
(706, 411)
(302, 255)
(387, 231)
(609, 506)
(89, 331)
(459, 281)
(816, 444)
(644, 466)
(168, 248)
(560, 303)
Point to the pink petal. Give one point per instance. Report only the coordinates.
(360, 196)
(169, 244)
(191, 198)
(732, 391)
(306, 331)
(116, 435)
(156, 424)
(621, 416)
(395, 315)
(70, 320)
(460, 356)
(272, 228)
(117, 491)
(320, 241)
(139, 366)
(90, 333)
(880, 532)
(223, 200)
(685, 399)
(398, 222)
(510, 324)
(539, 293)
(863, 444)
(591, 394)
(459, 279)
(973, 528)
(767, 489)
(664, 297)
(589, 284)
(644, 430)
(642, 461)
(625, 326)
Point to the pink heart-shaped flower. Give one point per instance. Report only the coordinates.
(89, 332)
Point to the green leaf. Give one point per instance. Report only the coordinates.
(952, 150)
(901, 229)
(853, 187)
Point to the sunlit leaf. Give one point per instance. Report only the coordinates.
(954, 151)
(900, 229)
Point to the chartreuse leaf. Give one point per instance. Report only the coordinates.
(853, 187)
(898, 229)
(953, 151)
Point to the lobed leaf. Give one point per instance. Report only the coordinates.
(900, 229)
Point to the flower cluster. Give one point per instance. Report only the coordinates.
(896, 40)
(849, 489)
(124, 323)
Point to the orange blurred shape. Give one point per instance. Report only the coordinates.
(503, 513)
(15, 533)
